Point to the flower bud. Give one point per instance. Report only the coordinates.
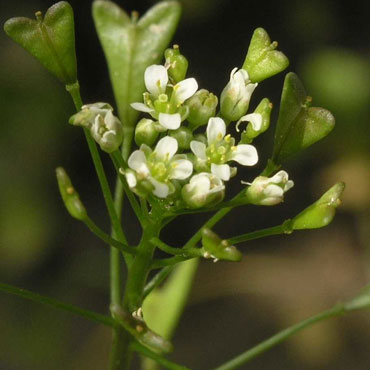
(70, 196)
(107, 132)
(218, 249)
(184, 136)
(320, 213)
(262, 60)
(202, 106)
(236, 95)
(146, 132)
(86, 116)
(266, 191)
(203, 189)
(177, 63)
(256, 127)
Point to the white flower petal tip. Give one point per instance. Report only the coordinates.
(245, 155)
(185, 89)
(170, 121)
(156, 79)
(199, 149)
(166, 148)
(137, 162)
(254, 118)
(181, 169)
(141, 107)
(222, 171)
(131, 179)
(216, 130)
(161, 190)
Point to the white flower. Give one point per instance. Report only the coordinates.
(160, 166)
(254, 118)
(220, 150)
(236, 95)
(269, 191)
(203, 189)
(168, 110)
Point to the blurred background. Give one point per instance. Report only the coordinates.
(280, 281)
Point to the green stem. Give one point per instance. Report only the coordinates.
(274, 230)
(189, 252)
(280, 337)
(121, 339)
(161, 360)
(90, 315)
(107, 239)
(157, 280)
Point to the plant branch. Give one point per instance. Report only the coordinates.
(189, 252)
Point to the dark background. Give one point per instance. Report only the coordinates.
(281, 280)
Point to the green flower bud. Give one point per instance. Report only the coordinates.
(236, 95)
(262, 60)
(218, 249)
(184, 136)
(320, 213)
(86, 116)
(146, 132)
(263, 109)
(50, 39)
(70, 196)
(178, 64)
(266, 191)
(361, 301)
(299, 125)
(203, 189)
(202, 106)
(201, 137)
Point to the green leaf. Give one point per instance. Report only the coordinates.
(50, 39)
(130, 46)
(299, 125)
(262, 60)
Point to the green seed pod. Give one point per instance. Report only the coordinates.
(146, 132)
(215, 247)
(262, 60)
(184, 136)
(178, 64)
(299, 125)
(70, 196)
(320, 213)
(50, 39)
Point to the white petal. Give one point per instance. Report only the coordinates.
(288, 185)
(222, 171)
(245, 154)
(201, 183)
(216, 129)
(279, 178)
(137, 162)
(170, 121)
(185, 89)
(131, 179)
(249, 91)
(166, 148)
(141, 107)
(161, 190)
(273, 190)
(181, 169)
(199, 149)
(240, 77)
(254, 118)
(156, 79)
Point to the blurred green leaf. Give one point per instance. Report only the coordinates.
(130, 46)
(299, 125)
(50, 39)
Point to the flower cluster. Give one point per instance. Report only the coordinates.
(176, 160)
